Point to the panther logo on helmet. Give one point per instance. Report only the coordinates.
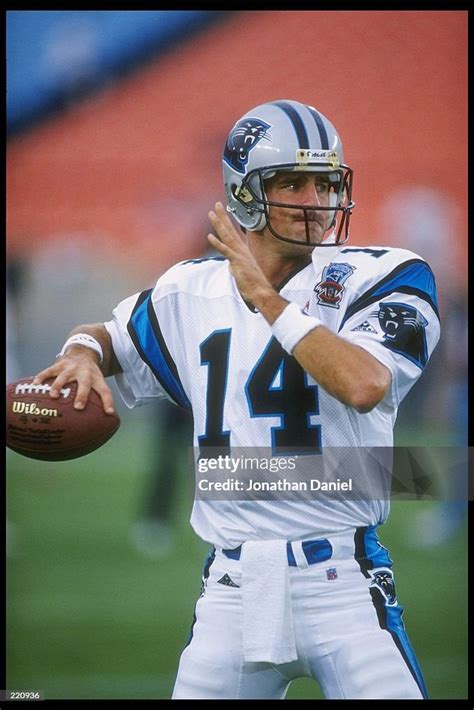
(244, 136)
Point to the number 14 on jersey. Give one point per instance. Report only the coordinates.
(276, 387)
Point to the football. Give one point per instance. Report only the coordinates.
(51, 429)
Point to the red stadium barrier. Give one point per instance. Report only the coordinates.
(138, 165)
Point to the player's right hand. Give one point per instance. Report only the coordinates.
(78, 364)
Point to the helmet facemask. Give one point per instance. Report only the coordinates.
(252, 196)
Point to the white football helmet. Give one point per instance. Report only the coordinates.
(285, 135)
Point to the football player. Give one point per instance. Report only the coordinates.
(293, 344)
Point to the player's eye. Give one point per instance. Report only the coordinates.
(322, 187)
(290, 184)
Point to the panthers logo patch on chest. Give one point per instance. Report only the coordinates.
(404, 331)
(246, 134)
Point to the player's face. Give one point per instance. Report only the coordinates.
(299, 188)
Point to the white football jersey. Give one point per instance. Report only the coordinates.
(194, 340)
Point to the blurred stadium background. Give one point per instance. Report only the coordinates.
(116, 122)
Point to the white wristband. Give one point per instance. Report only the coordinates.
(83, 339)
(292, 325)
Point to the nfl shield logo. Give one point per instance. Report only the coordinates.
(331, 573)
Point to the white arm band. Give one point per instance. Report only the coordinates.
(83, 339)
(292, 325)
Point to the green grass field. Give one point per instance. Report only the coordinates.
(88, 616)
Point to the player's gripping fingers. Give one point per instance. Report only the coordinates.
(61, 372)
(81, 370)
(60, 383)
(105, 393)
(43, 375)
(88, 377)
(55, 372)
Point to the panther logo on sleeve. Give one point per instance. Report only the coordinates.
(245, 136)
(404, 331)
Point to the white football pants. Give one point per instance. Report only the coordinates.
(348, 630)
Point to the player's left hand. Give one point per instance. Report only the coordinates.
(250, 279)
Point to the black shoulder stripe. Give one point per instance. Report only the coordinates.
(159, 336)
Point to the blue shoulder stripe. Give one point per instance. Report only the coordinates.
(147, 337)
(413, 277)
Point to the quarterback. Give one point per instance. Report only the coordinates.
(292, 342)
